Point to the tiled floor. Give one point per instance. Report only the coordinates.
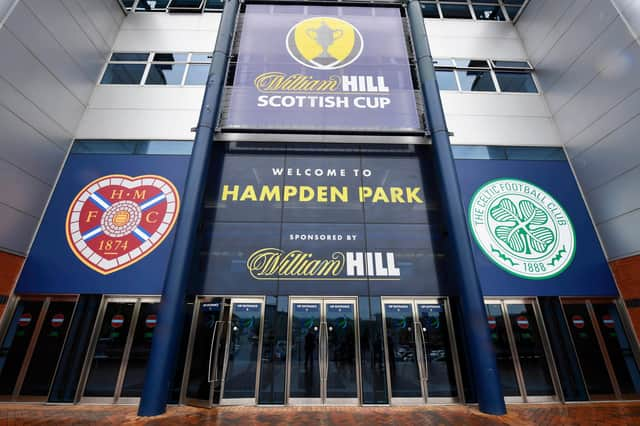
(547, 414)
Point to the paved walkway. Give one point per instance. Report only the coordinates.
(542, 414)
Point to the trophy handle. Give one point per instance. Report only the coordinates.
(311, 33)
(339, 35)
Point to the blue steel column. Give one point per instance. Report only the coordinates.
(482, 355)
(166, 338)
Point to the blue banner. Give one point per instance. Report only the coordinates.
(532, 234)
(108, 226)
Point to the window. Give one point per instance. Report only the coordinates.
(482, 152)
(479, 75)
(141, 147)
(125, 68)
(481, 10)
(157, 69)
(167, 69)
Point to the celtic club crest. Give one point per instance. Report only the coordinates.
(522, 228)
(117, 220)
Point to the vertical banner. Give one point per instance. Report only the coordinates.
(322, 68)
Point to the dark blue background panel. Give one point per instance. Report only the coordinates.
(52, 267)
(587, 275)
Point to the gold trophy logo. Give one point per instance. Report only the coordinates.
(324, 43)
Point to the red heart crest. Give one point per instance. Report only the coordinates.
(117, 220)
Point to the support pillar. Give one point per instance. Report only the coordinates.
(166, 339)
(482, 354)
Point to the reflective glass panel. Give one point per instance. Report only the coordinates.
(594, 369)
(107, 357)
(170, 57)
(341, 351)
(446, 80)
(305, 348)
(429, 10)
(197, 75)
(455, 11)
(488, 13)
(140, 349)
(209, 314)
(437, 350)
(401, 349)
(274, 352)
(47, 351)
(129, 57)
(244, 344)
(619, 349)
(165, 74)
(16, 342)
(533, 362)
(476, 81)
(123, 74)
(504, 358)
(516, 82)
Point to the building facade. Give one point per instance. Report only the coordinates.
(325, 267)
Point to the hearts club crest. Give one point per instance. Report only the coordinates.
(116, 220)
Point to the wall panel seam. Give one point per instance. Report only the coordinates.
(33, 128)
(37, 58)
(53, 36)
(609, 133)
(27, 172)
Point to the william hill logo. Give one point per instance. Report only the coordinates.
(326, 44)
(275, 264)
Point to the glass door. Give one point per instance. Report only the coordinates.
(121, 342)
(420, 353)
(605, 352)
(224, 352)
(323, 365)
(32, 346)
(522, 352)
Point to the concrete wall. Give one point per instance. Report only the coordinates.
(489, 118)
(152, 112)
(587, 59)
(53, 52)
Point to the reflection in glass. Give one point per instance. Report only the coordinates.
(488, 13)
(109, 351)
(197, 75)
(446, 80)
(455, 11)
(46, 353)
(140, 349)
(341, 351)
(476, 81)
(516, 82)
(401, 350)
(274, 352)
(504, 358)
(373, 373)
(437, 351)
(210, 313)
(16, 342)
(123, 74)
(243, 347)
(594, 369)
(533, 362)
(165, 74)
(305, 351)
(619, 349)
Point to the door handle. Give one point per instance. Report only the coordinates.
(423, 349)
(213, 343)
(324, 337)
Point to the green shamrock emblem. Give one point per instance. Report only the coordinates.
(524, 231)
